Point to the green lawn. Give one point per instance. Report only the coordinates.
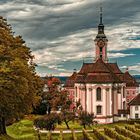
(72, 125)
(5, 137)
(23, 130)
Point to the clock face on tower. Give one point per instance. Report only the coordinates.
(101, 43)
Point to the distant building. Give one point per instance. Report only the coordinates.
(102, 87)
(135, 108)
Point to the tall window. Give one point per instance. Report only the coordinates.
(98, 94)
(136, 116)
(99, 110)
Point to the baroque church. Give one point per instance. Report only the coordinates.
(101, 87)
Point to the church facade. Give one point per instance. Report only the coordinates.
(101, 87)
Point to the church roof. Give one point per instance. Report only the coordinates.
(129, 80)
(101, 72)
(135, 101)
(114, 68)
(98, 72)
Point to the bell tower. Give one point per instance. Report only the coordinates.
(101, 41)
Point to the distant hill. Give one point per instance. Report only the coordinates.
(64, 78)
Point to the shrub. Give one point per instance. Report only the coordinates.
(114, 134)
(100, 135)
(133, 129)
(48, 122)
(87, 135)
(137, 125)
(128, 133)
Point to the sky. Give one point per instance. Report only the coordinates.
(61, 33)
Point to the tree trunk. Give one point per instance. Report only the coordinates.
(84, 126)
(2, 126)
(67, 125)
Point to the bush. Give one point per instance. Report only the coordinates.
(133, 129)
(48, 122)
(113, 134)
(100, 135)
(128, 133)
(87, 135)
(137, 125)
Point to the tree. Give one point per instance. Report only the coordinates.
(67, 116)
(86, 118)
(19, 85)
(52, 94)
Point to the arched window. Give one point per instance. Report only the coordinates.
(98, 94)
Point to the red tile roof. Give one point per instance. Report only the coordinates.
(129, 80)
(135, 101)
(100, 72)
(114, 68)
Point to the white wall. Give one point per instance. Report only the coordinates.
(133, 112)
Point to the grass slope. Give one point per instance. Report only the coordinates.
(22, 130)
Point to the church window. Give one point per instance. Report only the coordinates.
(99, 110)
(136, 116)
(98, 94)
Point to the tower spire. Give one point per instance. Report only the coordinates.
(101, 40)
(101, 15)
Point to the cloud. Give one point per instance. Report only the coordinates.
(69, 48)
(132, 68)
(63, 31)
(118, 55)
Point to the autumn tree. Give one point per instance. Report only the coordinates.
(52, 93)
(19, 84)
